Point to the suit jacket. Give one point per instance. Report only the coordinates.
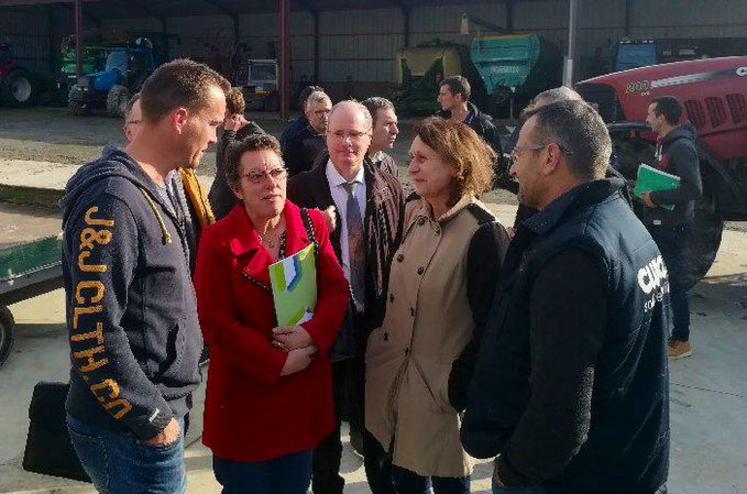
(382, 225)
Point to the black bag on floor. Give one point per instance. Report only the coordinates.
(48, 447)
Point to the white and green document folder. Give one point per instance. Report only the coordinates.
(294, 289)
(651, 179)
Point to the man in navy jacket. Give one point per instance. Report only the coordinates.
(571, 382)
(131, 312)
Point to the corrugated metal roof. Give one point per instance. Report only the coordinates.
(109, 9)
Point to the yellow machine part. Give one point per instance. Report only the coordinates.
(420, 59)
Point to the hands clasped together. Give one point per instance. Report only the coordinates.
(299, 345)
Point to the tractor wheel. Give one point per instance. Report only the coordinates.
(705, 238)
(116, 101)
(7, 326)
(75, 105)
(17, 89)
(77, 108)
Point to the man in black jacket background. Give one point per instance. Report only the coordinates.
(301, 149)
(669, 215)
(453, 96)
(571, 382)
(235, 127)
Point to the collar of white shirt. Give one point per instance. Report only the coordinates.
(336, 180)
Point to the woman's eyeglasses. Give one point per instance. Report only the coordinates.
(276, 175)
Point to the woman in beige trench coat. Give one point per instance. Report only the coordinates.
(442, 284)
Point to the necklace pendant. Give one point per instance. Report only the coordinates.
(271, 243)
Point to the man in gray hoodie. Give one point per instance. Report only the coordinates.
(131, 312)
(669, 215)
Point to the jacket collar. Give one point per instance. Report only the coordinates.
(472, 113)
(245, 241)
(582, 195)
(426, 211)
(322, 194)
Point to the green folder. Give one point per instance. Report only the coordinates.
(651, 179)
(294, 290)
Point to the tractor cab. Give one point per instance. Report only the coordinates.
(125, 71)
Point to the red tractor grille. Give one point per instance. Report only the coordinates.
(737, 107)
(695, 113)
(716, 110)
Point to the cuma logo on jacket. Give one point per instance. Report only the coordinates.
(653, 275)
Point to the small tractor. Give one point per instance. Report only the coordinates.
(125, 71)
(714, 94)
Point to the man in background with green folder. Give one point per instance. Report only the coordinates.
(670, 226)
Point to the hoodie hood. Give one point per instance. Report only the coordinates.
(684, 131)
(474, 112)
(113, 163)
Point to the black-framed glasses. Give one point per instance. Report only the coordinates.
(276, 174)
(518, 149)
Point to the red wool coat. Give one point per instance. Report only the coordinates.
(252, 413)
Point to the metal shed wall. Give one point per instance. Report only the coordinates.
(359, 45)
(689, 19)
(27, 30)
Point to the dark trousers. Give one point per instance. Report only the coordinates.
(348, 377)
(671, 242)
(289, 474)
(378, 465)
(326, 477)
(407, 482)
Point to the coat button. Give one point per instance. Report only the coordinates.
(412, 311)
(421, 270)
(400, 258)
(386, 336)
(407, 351)
(438, 231)
(391, 298)
(421, 221)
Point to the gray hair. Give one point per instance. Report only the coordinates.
(556, 94)
(581, 134)
(317, 97)
(375, 104)
(356, 105)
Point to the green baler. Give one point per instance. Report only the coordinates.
(514, 68)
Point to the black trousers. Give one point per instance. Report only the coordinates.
(671, 242)
(326, 477)
(348, 378)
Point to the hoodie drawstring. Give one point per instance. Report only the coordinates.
(166, 236)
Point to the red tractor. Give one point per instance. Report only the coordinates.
(714, 93)
(16, 85)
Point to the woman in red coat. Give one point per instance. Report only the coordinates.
(269, 391)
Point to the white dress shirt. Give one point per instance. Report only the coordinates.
(340, 197)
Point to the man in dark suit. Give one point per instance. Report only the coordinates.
(301, 149)
(368, 214)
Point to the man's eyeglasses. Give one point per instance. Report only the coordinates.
(276, 175)
(342, 135)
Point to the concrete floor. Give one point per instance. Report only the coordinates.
(708, 390)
